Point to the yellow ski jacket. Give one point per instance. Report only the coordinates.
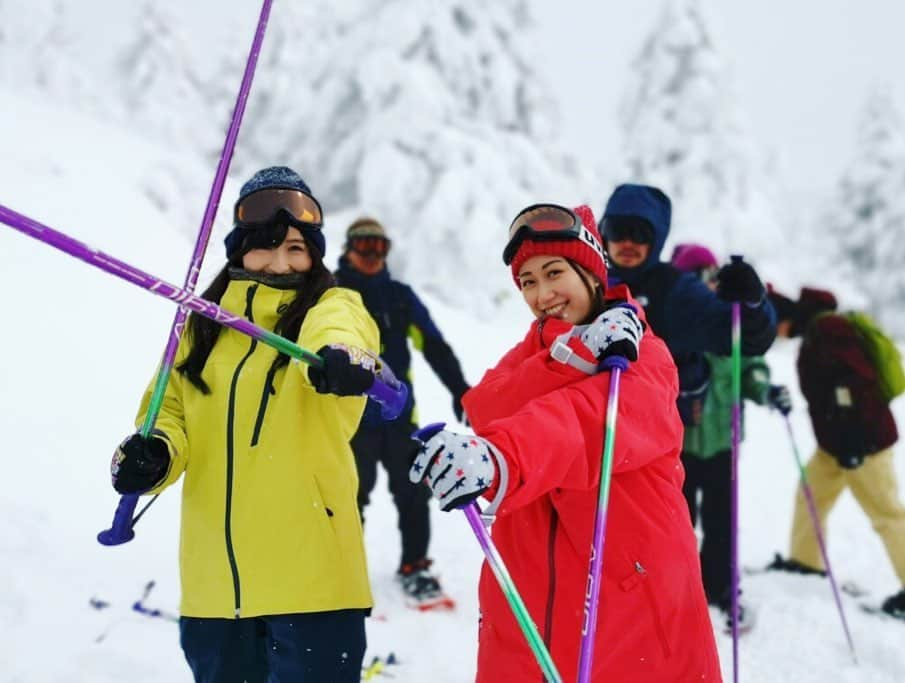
(270, 521)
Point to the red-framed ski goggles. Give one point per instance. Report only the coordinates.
(267, 206)
(546, 223)
(373, 246)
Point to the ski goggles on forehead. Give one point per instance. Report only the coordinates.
(546, 223)
(369, 246)
(266, 206)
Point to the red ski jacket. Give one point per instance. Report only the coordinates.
(547, 420)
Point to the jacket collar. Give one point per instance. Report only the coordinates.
(267, 303)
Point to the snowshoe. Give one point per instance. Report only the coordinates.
(747, 617)
(421, 588)
(782, 564)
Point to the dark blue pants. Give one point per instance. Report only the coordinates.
(392, 445)
(320, 647)
(713, 478)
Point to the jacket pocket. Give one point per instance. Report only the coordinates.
(639, 579)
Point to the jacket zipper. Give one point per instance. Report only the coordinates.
(269, 390)
(649, 592)
(230, 455)
(551, 584)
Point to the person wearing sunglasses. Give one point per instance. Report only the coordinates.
(707, 447)
(688, 315)
(272, 563)
(536, 455)
(402, 318)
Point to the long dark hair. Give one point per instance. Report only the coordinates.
(203, 332)
(598, 300)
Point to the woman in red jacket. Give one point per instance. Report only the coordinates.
(537, 455)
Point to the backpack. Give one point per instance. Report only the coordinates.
(883, 352)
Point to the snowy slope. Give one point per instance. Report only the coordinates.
(77, 350)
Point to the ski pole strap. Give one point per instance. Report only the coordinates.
(563, 353)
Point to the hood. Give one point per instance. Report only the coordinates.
(642, 201)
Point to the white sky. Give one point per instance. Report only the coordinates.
(801, 70)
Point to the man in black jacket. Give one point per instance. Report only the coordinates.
(401, 316)
(681, 309)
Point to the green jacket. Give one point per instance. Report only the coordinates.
(714, 433)
(270, 522)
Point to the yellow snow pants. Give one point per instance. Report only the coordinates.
(873, 485)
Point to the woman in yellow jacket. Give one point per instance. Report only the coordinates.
(272, 562)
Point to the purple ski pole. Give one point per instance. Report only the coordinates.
(812, 509)
(390, 393)
(121, 531)
(616, 365)
(736, 441)
(501, 573)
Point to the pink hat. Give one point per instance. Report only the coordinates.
(689, 257)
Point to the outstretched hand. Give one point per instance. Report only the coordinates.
(458, 468)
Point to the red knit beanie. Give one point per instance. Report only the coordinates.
(589, 256)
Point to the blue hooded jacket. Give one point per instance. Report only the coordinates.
(680, 308)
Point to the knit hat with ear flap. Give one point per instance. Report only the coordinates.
(581, 251)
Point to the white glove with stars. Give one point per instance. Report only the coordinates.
(615, 332)
(457, 467)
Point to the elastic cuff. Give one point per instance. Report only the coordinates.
(489, 514)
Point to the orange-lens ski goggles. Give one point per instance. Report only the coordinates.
(369, 246)
(265, 206)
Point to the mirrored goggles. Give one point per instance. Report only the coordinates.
(373, 246)
(267, 206)
(544, 222)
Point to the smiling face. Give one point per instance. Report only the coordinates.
(553, 288)
(292, 256)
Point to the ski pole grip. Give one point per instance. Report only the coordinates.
(121, 530)
(392, 399)
(612, 362)
(427, 431)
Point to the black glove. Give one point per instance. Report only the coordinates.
(139, 464)
(850, 461)
(738, 281)
(851, 449)
(458, 410)
(778, 397)
(340, 375)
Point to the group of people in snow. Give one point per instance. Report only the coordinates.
(279, 459)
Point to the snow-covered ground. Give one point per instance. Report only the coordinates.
(78, 348)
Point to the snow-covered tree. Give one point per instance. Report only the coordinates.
(427, 116)
(683, 133)
(37, 52)
(161, 88)
(867, 225)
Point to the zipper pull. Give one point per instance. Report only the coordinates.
(639, 568)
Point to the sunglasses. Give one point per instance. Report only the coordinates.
(264, 207)
(632, 231)
(546, 223)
